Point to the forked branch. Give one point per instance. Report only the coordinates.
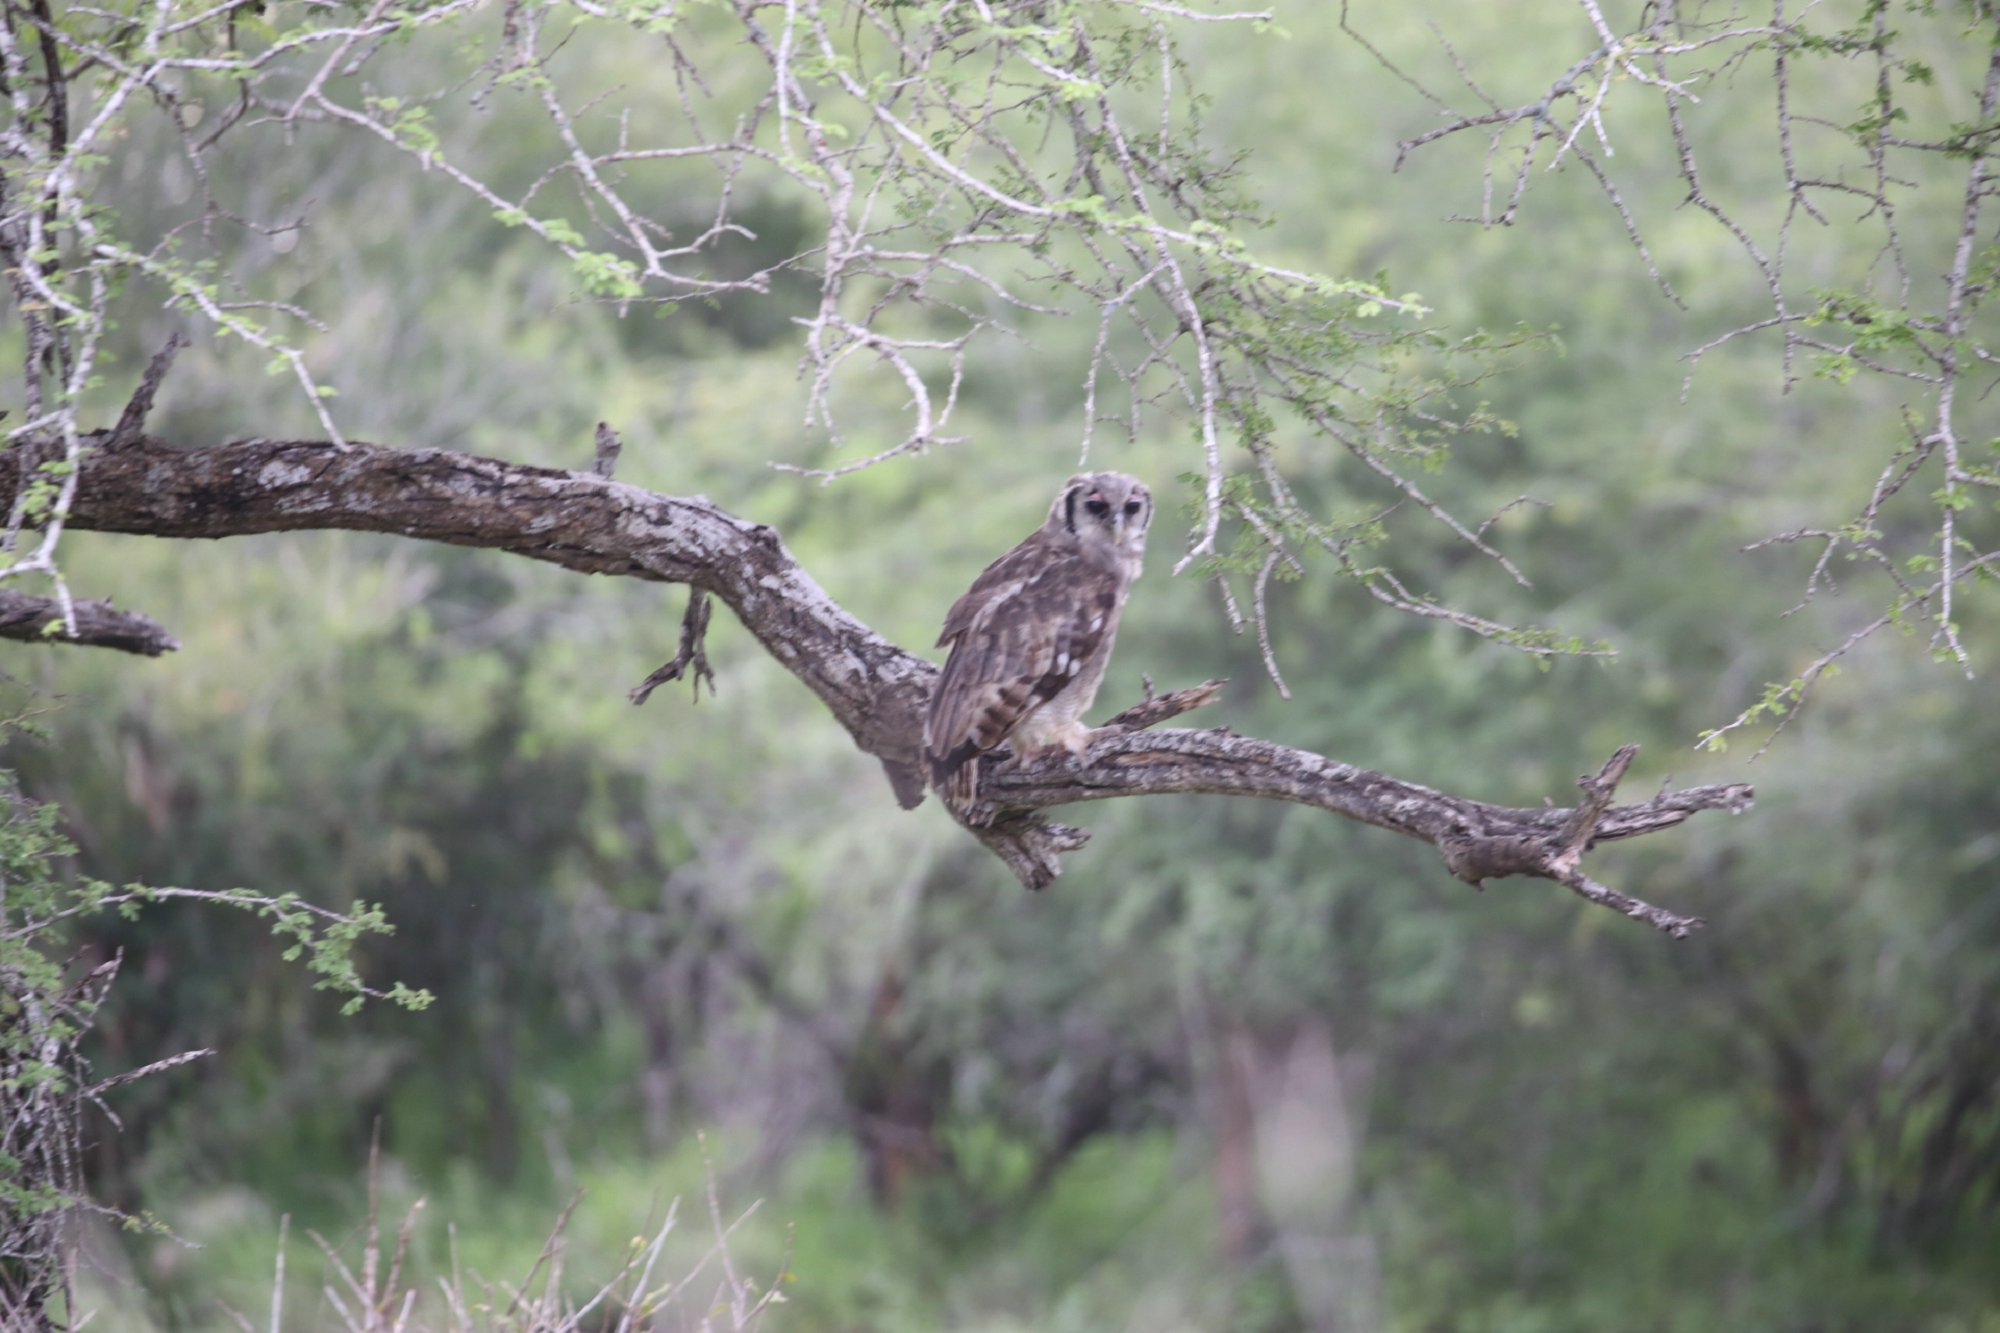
(878, 691)
(1478, 841)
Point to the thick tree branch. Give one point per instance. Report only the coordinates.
(586, 522)
(578, 520)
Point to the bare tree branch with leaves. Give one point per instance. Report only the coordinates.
(974, 171)
(1885, 116)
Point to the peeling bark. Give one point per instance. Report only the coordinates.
(135, 483)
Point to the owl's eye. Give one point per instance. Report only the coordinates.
(1132, 508)
(1098, 505)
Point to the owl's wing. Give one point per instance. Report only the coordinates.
(1018, 637)
(1003, 578)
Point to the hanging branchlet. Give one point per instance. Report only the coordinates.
(691, 660)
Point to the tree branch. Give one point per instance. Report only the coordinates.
(98, 625)
(133, 419)
(1477, 840)
(691, 659)
(1155, 709)
(578, 520)
(877, 691)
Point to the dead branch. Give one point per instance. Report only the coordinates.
(98, 625)
(608, 445)
(133, 419)
(1155, 709)
(876, 690)
(1478, 841)
(691, 658)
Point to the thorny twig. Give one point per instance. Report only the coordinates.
(1880, 320)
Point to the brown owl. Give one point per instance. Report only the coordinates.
(1030, 639)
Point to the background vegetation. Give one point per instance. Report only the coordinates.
(1243, 1067)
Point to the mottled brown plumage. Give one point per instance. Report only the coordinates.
(1030, 639)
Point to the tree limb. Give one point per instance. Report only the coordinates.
(98, 625)
(1477, 840)
(578, 520)
(877, 691)
(1155, 709)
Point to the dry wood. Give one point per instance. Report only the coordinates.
(98, 625)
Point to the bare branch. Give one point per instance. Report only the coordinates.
(133, 419)
(1478, 841)
(608, 445)
(1597, 794)
(1155, 709)
(877, 691)
(97, 625)
(578, 520)
(691, 656)
(105, 1085)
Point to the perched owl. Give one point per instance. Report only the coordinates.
(1030, 639)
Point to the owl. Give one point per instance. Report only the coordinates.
(1030, 639)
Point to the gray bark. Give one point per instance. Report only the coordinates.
(584, 521)
(98, 625)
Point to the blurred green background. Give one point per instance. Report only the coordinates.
(1244, 1066)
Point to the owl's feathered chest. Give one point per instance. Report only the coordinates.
(1029, 643)
(1030, 640)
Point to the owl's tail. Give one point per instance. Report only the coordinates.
(956, 778)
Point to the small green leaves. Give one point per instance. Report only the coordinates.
(1780, 700)
(44, 490)
(410, 125)
(608, 275)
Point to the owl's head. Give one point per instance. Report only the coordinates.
(1104, 508)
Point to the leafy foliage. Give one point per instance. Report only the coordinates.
(51, 998)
